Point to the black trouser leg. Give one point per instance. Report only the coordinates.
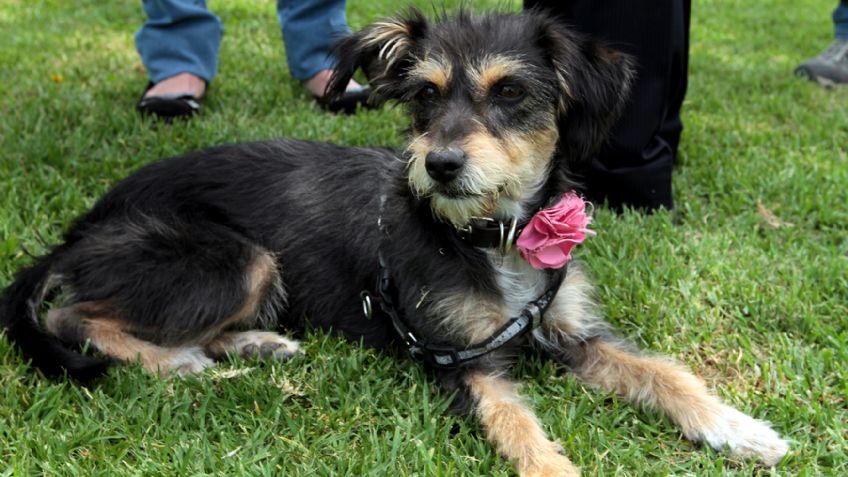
(634, 168)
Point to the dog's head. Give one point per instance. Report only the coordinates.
(500, 103)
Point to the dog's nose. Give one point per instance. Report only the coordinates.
(444, 165)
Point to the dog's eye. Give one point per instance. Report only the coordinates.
(428, 93)
(508, 91)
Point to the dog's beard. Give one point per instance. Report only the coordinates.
(471, 195)
(496, 181)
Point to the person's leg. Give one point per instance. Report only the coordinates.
(634, 169)
(179, 36)
(830, 67)
(840, 21)
(310, 27)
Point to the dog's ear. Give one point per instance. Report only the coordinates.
(384, 50)
(594, 85)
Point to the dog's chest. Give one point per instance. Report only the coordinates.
(519, 283)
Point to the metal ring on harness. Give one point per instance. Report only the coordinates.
(367, 307)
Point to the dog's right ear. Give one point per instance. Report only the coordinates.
(594, 83)
(384, 50)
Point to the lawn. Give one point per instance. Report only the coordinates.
(746, 282)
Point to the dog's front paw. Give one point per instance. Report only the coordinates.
(743, 436)
(555, 465)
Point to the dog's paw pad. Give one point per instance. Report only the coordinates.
(266, 345)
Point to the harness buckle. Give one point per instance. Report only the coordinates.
(436, 355)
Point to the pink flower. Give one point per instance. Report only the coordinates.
(548, 238)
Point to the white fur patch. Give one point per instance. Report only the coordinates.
(743, 436)
(187, 361)
(258, 338)
(518, 281)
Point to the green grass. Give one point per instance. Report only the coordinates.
(759, 311)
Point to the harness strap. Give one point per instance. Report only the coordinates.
(446, 356)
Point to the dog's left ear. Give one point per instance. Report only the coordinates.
(594, 83)
(384, 51)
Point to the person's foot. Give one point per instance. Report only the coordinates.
(176, 96)
(183, 84)
(318, 83)
(355, 94)
(830, 67)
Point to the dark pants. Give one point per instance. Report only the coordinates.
(634, 168)
(840, 20)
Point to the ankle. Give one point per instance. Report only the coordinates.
(179, 84)
(317, 84)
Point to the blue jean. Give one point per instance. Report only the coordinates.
(840, 20)
(184, 36)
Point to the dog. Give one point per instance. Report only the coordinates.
(204, 255)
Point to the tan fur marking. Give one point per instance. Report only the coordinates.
(491, 70)
(566, 89)
(534, 149)
(467, 315)
(388, 29)
(497, 169)
(108, 336)
(258, 278)
(418, 147)
(514, 430)
(433, 70)
(392, 37)
(60, 321)
(653, 382)
(573, 312)
(685, 398)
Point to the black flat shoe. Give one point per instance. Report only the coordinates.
(347, 102)
(168, 107)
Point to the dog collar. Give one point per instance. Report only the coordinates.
(487, 232)
(491, 233)
(446, 356)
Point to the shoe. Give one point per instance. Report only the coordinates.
(347, 102)
(168, 107)
(829, 68)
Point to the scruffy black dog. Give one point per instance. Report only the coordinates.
(181, 262)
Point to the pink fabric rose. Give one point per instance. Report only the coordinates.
(548, 238)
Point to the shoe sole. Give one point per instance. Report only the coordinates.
(809, 74)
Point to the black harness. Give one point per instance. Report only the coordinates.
(446, 356)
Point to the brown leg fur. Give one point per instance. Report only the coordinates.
(107, 336)
(514, 430)
(574, 333)
(660, 383)
(97, 324)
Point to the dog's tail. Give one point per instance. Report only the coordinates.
(19, 307)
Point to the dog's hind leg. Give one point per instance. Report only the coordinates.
(164, 293)
(265, 296)
(574, 335)
(99, 325)
(513, 428)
